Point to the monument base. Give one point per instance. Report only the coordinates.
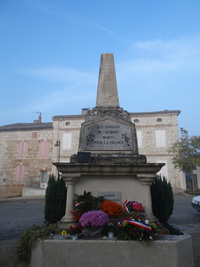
(173, 251)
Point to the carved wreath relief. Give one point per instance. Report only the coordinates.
(108, 135)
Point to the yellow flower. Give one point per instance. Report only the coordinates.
(64, 232)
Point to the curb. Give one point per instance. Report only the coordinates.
(22, 198)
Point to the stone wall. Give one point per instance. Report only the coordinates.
(31, 160)
(147, 124)
(66, 130)
(173, 251)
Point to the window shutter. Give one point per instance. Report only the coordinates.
(164, 170)
(139, 138)
(20, 173)
(160, 138)
(44, 151)
(67, 141)
(22, 150)
(22, 169)
(34, 134)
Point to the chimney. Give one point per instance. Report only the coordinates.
(39, 120)
(40, 117)
(85, 111)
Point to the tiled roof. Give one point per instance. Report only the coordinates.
(131, 113)
(27, 126)
(156, 112)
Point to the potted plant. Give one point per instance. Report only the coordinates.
(93, 222)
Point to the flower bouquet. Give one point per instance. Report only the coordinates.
(84, 203)
(112, 208)
(93, 222)
(136, 227)
(133, 208)
(75, 231)
(131, 229)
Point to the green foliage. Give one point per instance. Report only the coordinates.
(162, 199)
(88, 202)
(186, 152)
(130, 232)
(55, 200)
(28, 241)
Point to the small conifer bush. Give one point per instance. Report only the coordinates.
(55, 200)
(162, 199)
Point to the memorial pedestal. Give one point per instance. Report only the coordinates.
(133, 181)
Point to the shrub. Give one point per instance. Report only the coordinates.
(28, 240)
(55, 199)
(87, 202)
(162, 199)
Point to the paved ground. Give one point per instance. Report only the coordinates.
(16, 215)
(187, 220)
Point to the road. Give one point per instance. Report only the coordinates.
(187, 219)
(17, 216)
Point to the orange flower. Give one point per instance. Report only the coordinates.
(112, 208)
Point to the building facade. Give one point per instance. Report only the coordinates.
(27, 150)
(25, 156)
(156, 132)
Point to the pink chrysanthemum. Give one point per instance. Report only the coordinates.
(94, 218)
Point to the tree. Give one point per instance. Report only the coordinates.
(162, 199)
(186, 153)
(55, 199)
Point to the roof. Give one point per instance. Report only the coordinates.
(27, 126)
(68, 116)
(156, 112)
(57, 117)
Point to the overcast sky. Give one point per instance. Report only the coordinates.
(50, 56)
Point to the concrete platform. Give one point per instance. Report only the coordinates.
(30, 192)
(173, 251)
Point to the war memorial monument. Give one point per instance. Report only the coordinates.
(108, 164)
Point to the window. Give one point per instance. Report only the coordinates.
(67, 141)
(139, 138)
(43, 176)
(22, 150)
(20, 173)
(160, 138)
(34, 134)
(159, 120)
(43, 179)
(44, 149)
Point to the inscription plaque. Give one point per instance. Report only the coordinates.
(108, 135)
(114, 196)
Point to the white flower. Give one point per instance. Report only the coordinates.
(147, 221)
(151, 237)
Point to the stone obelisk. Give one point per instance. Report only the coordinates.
(108, 128)
(107, 95)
